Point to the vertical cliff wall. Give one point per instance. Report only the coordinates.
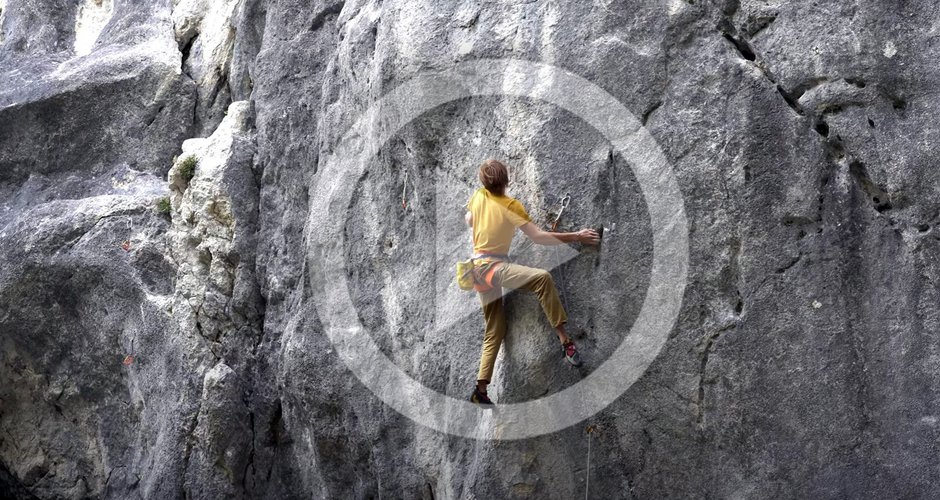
(159, 331)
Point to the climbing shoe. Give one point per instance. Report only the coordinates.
(571, 353)
(480, 398)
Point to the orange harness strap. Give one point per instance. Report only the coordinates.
(487, 279)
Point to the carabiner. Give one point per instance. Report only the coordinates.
(565, 200)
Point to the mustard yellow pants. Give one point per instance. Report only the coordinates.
(514, 276)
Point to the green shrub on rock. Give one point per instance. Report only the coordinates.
(163, 205)
(187, 168)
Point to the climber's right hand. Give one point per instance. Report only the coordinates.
(588, 236)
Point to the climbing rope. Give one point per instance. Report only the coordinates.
(565, 201)
(563, 282)
(563, 277)
(587, 472)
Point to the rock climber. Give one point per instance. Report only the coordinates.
(494, 217)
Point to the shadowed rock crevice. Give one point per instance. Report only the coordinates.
(206, 36)
(649, 112)
(186, 48)
(332, 10)
(876, 194)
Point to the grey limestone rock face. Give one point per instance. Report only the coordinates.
(160, 331)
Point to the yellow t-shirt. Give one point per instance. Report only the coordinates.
(495, 219)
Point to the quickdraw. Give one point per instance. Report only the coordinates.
(404, 190)
(565, 200)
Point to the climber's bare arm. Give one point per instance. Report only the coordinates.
(469, 218)
(540, 237)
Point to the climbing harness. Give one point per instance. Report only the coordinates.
(470, 277)
(484, 279)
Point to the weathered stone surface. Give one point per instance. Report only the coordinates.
(127, 102)
(206, 35)
(222, 438)
(803, 362)
(212, 239)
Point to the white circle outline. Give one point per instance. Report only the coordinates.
(332, 194)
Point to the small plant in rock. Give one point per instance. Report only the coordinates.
(163, 205)
(187, 168)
